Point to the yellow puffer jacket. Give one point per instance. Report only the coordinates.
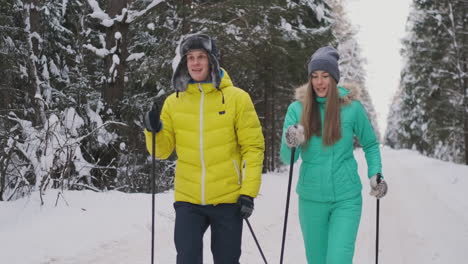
(218, 141)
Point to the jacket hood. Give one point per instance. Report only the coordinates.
(225, 79)
(348, 92)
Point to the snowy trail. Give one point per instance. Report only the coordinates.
(424, 219)
(267, 225)
(421, 221)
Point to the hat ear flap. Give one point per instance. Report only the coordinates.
(181, 76)
(215, 71)
(214, 49)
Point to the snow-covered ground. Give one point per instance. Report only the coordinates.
(424, 219)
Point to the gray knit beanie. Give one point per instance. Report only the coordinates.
(325, 59)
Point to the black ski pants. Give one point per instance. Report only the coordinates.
(226, 232)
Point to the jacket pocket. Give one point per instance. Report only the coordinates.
(351, 171)
(244, 166)
(310, 176)
(239, 176)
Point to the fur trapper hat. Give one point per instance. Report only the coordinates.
(181, 76)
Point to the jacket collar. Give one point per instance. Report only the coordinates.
(207, 86)
(342, 92)
(348, 94)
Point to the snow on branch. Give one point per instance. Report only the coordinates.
(103, 52)
(127, 16)
(54, 148)
(115, 62)
(36, 36)
(135, 56)
(135, 14)
(100, 14)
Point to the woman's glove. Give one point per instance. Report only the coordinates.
(294, 135)
(378, 189)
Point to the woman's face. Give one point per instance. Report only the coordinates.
(198, 65)
(320, 82)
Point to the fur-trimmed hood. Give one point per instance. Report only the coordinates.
(351, 92)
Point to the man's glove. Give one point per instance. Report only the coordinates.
(294, 135)
(246, 204)
(151, 119)
(378, 189)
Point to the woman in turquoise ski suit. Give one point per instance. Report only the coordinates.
(322, 126)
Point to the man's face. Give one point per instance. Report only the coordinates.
(198, 65)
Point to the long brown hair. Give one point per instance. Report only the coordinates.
(311, 115)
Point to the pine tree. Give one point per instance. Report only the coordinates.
(80, 74)
(123, 40)
(56, 131)
(351, 60)
(13, 95)
(429, 114)
(265, 46)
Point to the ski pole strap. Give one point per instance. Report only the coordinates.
(379, 177)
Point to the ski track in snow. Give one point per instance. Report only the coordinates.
(423, 220)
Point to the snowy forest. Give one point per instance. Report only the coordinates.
(78, 75)
(429, 113)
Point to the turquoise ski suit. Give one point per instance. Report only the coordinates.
(329, 187)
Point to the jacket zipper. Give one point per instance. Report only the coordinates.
(202, 160)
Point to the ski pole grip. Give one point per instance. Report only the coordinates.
(155, 107)
(379, 178)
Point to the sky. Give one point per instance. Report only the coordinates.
(423, 219)
(381, 25)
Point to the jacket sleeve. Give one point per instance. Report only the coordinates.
(252, 145)
(165, 138)
(292, 118)
(366, 136)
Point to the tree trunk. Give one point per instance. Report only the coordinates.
(113, 90)
(6, 86)
(465, 116)
(460, 41)
(268, 123)
(34, 89)
(2, 176)
(464, 66)
(274, 144)
(186, 7)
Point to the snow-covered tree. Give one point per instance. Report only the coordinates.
(56, 131)
(351, 60)
(80, 74)
(429, 113)
(122, 37)
(265, 46)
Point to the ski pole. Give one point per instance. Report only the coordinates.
(256, 241)
(291, 166)
(153, 187)
(379, 176)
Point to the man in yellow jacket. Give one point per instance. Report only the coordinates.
(216, 133)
